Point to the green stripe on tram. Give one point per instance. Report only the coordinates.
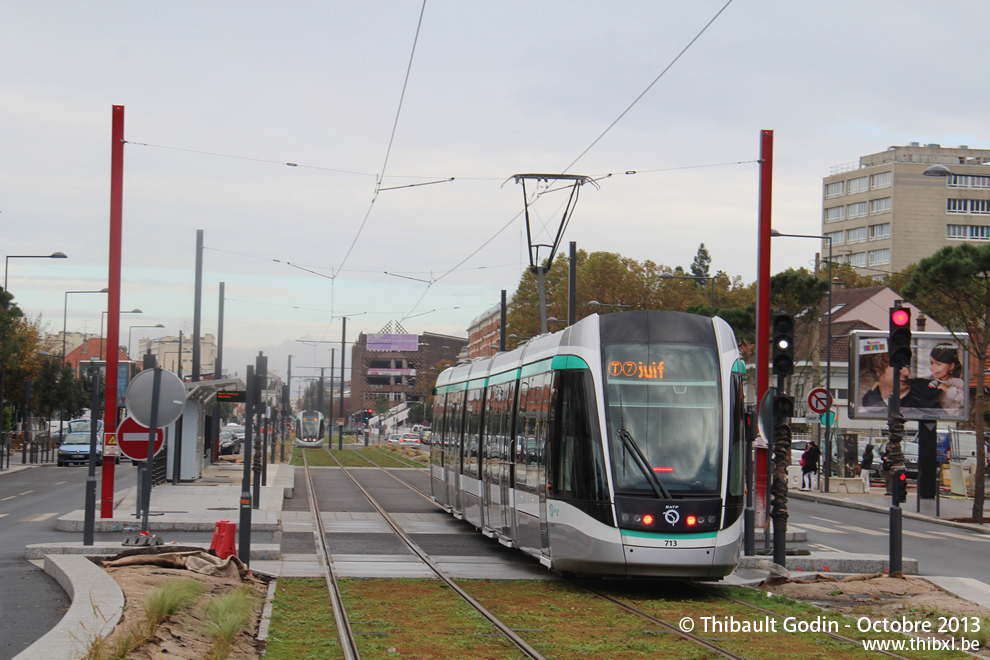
(654, 535)
(568, 362)
(556, 363)
(504, 377)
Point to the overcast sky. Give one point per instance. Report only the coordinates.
(218, 96)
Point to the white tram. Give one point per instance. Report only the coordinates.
(614, 447)
(310, 429)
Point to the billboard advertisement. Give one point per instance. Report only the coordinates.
(383, 342)
(934, 387)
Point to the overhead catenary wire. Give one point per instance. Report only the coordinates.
(648, 87)
(391, 140)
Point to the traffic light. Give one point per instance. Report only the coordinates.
(783, 344)
(369, 414)
(783, 406)
(899, 489)
(900, 337)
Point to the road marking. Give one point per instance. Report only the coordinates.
(919, 535)
(818, 528)
(829, 520)
(4, 515)
(8, 498)
(59, 483)
(26, 492)
(868, 532)
(963, 537)
(822, 546)
(38, 517)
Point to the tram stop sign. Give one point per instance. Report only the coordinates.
(132, 438)
(171, 398)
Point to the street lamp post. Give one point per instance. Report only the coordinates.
(711, 282)
(827, 468)
(65, 320)
(65, 316)
(131, 328)
(3, 321)
(103, 316)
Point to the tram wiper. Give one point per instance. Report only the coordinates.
(642, 463)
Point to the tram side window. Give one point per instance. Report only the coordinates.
(579, 464)
(526, 421)
(472, 432)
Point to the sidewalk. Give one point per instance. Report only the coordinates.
(947, 510)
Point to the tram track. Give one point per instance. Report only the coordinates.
(347, 635)
(665, 626)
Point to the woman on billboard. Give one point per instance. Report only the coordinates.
(946, 371)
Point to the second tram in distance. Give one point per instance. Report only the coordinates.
(614, 447)
(310, 429)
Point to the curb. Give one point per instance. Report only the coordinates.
(97, 606)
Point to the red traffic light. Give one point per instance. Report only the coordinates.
(900, 317)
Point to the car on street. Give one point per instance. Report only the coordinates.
(74, 450)
(394, 439)
(410, 440)
(229, 443)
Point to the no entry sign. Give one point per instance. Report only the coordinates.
(133, 439)
(819, 400)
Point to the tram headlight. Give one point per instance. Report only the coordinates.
(647, 519)
(691, 521)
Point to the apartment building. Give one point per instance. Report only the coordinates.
(883, 214)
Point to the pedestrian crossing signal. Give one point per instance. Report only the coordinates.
(900, 336)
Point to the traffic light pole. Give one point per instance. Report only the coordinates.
(899, 353)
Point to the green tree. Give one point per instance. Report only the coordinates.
(953, 286)
(57, 391)
(382, 405)
(701, 263)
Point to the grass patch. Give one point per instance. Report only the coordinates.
(418, 618)
(302, 625)
(315, 457)
(225, 617)
(161, 603)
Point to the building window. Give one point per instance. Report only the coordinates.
(878, 257)
(968, 206)
(858, 185)
(881, 180)
(858, 235)
(857, 260)
(836, 189)
(835, 214)
(878, 232)
(957, 231)
(880, 205)
(857, 210)
(957, 181)
(838, 237)
(978, 233)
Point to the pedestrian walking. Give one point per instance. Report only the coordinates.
(809, 466)
(866, 466)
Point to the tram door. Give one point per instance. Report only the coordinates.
(543, 447)
(453, 442)
(498, 458)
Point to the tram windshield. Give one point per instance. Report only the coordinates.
(309, 425)
(666, 398)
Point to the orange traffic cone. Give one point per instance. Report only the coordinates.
(224, 533)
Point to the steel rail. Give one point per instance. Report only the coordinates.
(348, 643)
(510, 634)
